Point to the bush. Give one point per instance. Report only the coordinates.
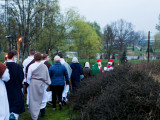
(123, 94)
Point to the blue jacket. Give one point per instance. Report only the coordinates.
(57, 73)
(76, 71)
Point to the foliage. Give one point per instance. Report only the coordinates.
(156, 44)
(86, 39)
(27, 18)
(123, 58)
(158, 25)
(126, 93)
(1, 57)
(3, 40)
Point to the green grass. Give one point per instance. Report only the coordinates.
(93, 61)
(1, 57)
(50, 114)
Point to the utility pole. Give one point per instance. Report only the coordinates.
(148, 44)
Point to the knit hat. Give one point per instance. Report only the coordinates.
(2, 69)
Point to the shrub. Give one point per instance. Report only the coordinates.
(126, 93)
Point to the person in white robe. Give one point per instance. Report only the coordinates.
(4, 105)
(27, 61)
(48, 93)
(25, 64)
(33, 108)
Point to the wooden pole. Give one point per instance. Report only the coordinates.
(18, 48)
(148, 44)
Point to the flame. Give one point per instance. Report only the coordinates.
(6, 55)
(20, 39)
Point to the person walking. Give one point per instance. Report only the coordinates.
(86, 70)
(76, 72)
(4, 77)
(48, 94)
(14, 86)
(66, 87)
(59, 76)
(37, 78)
(15, 55)
(26, 63)
(95, 69)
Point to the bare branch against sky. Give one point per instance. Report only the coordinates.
(142, 13)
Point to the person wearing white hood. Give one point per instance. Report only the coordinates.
(66, 87)
(86, 70)
(76, 72)
(4, 77)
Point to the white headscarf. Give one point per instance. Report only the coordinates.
(75, 60)
(87, 65)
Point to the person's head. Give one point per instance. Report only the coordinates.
(31, 52)
(2, 69)
(14, 52)
(87, 65)
(60, 55)
(96, 64)
(45, 57)
(56, 58)
(37, 56)
(10, 55)
(75, 60)
(110, 63)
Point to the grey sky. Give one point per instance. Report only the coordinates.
(141, 13)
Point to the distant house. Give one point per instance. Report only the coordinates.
(145, 42)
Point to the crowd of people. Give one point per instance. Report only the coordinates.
(39, 82)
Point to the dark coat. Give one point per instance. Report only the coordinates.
(76, 71)
(13, 86)
(86, 72)
(47, 64)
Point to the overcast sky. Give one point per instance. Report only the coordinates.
(141, 13)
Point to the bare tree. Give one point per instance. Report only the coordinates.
(109, 40)
(122, 30)
(26, 18)
(135, 37)
(158, 25)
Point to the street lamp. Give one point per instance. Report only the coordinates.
(18, 47)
